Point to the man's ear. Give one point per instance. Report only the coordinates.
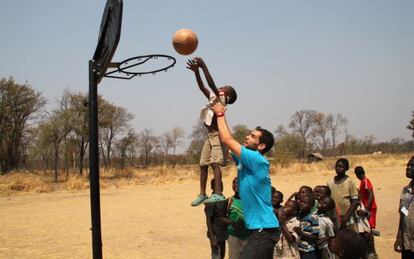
(261, 147)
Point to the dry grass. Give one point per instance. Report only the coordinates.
(326, 166)
(23, 182)
(18, 182)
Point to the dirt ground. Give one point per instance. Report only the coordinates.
(153, 221)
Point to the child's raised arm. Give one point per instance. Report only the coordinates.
(207, 75)
(193, 66)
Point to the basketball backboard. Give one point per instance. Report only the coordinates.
(109, 34)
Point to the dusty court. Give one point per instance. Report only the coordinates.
(152, 221)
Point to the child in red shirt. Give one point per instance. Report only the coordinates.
(367, 197)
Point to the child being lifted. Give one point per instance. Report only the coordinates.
(212, 151)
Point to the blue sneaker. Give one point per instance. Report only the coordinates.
(215, 198)
(199, 200)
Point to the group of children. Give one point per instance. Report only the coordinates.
(311, 227)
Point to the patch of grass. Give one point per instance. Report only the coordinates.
(36, 182)
(17, 182)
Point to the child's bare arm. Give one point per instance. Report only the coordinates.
(301, 233)
(289, 237)
(207, 75)
(193, 66)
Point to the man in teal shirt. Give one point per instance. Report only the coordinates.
(254, 186)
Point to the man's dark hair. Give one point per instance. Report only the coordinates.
(359, 170)
(266, 138)
(352, 244)
(231, 94)
(345, 162)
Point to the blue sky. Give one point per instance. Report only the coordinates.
(350, 57)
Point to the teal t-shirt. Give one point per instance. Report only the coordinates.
(255, 189)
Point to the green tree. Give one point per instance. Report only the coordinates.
(287, 147)
(19, 105)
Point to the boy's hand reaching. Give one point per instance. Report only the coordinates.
(200, 62)
(192, 65)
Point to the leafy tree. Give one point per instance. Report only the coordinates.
(19, 105)
(288, 147)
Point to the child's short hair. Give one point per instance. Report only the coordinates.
(345, 162)
(311, 197)
(352, 244)
(280, 193)
(326, 189)
(308, 188)
(359, 170)
(231, 94)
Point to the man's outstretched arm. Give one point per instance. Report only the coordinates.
(224, 131)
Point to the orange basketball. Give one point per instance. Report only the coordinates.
(185, 41)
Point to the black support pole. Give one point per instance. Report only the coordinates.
(94, 163)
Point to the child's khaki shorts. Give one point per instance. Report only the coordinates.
(212, 151)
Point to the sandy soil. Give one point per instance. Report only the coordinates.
(152, 221)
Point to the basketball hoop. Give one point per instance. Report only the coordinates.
(122, 70)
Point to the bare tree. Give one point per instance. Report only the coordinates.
(177, 134)
(79, 117)
(410, 126)
(240, 132)
(147, 142)
(336, 125)
(302, 122)
(280, 131)
(113, 121)
(126, 146)
(198, 136)
(52, 132)
(320, 130)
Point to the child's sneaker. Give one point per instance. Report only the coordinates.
(215, 198)
(199, 200)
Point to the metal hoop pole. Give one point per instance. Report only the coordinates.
(94, 163)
